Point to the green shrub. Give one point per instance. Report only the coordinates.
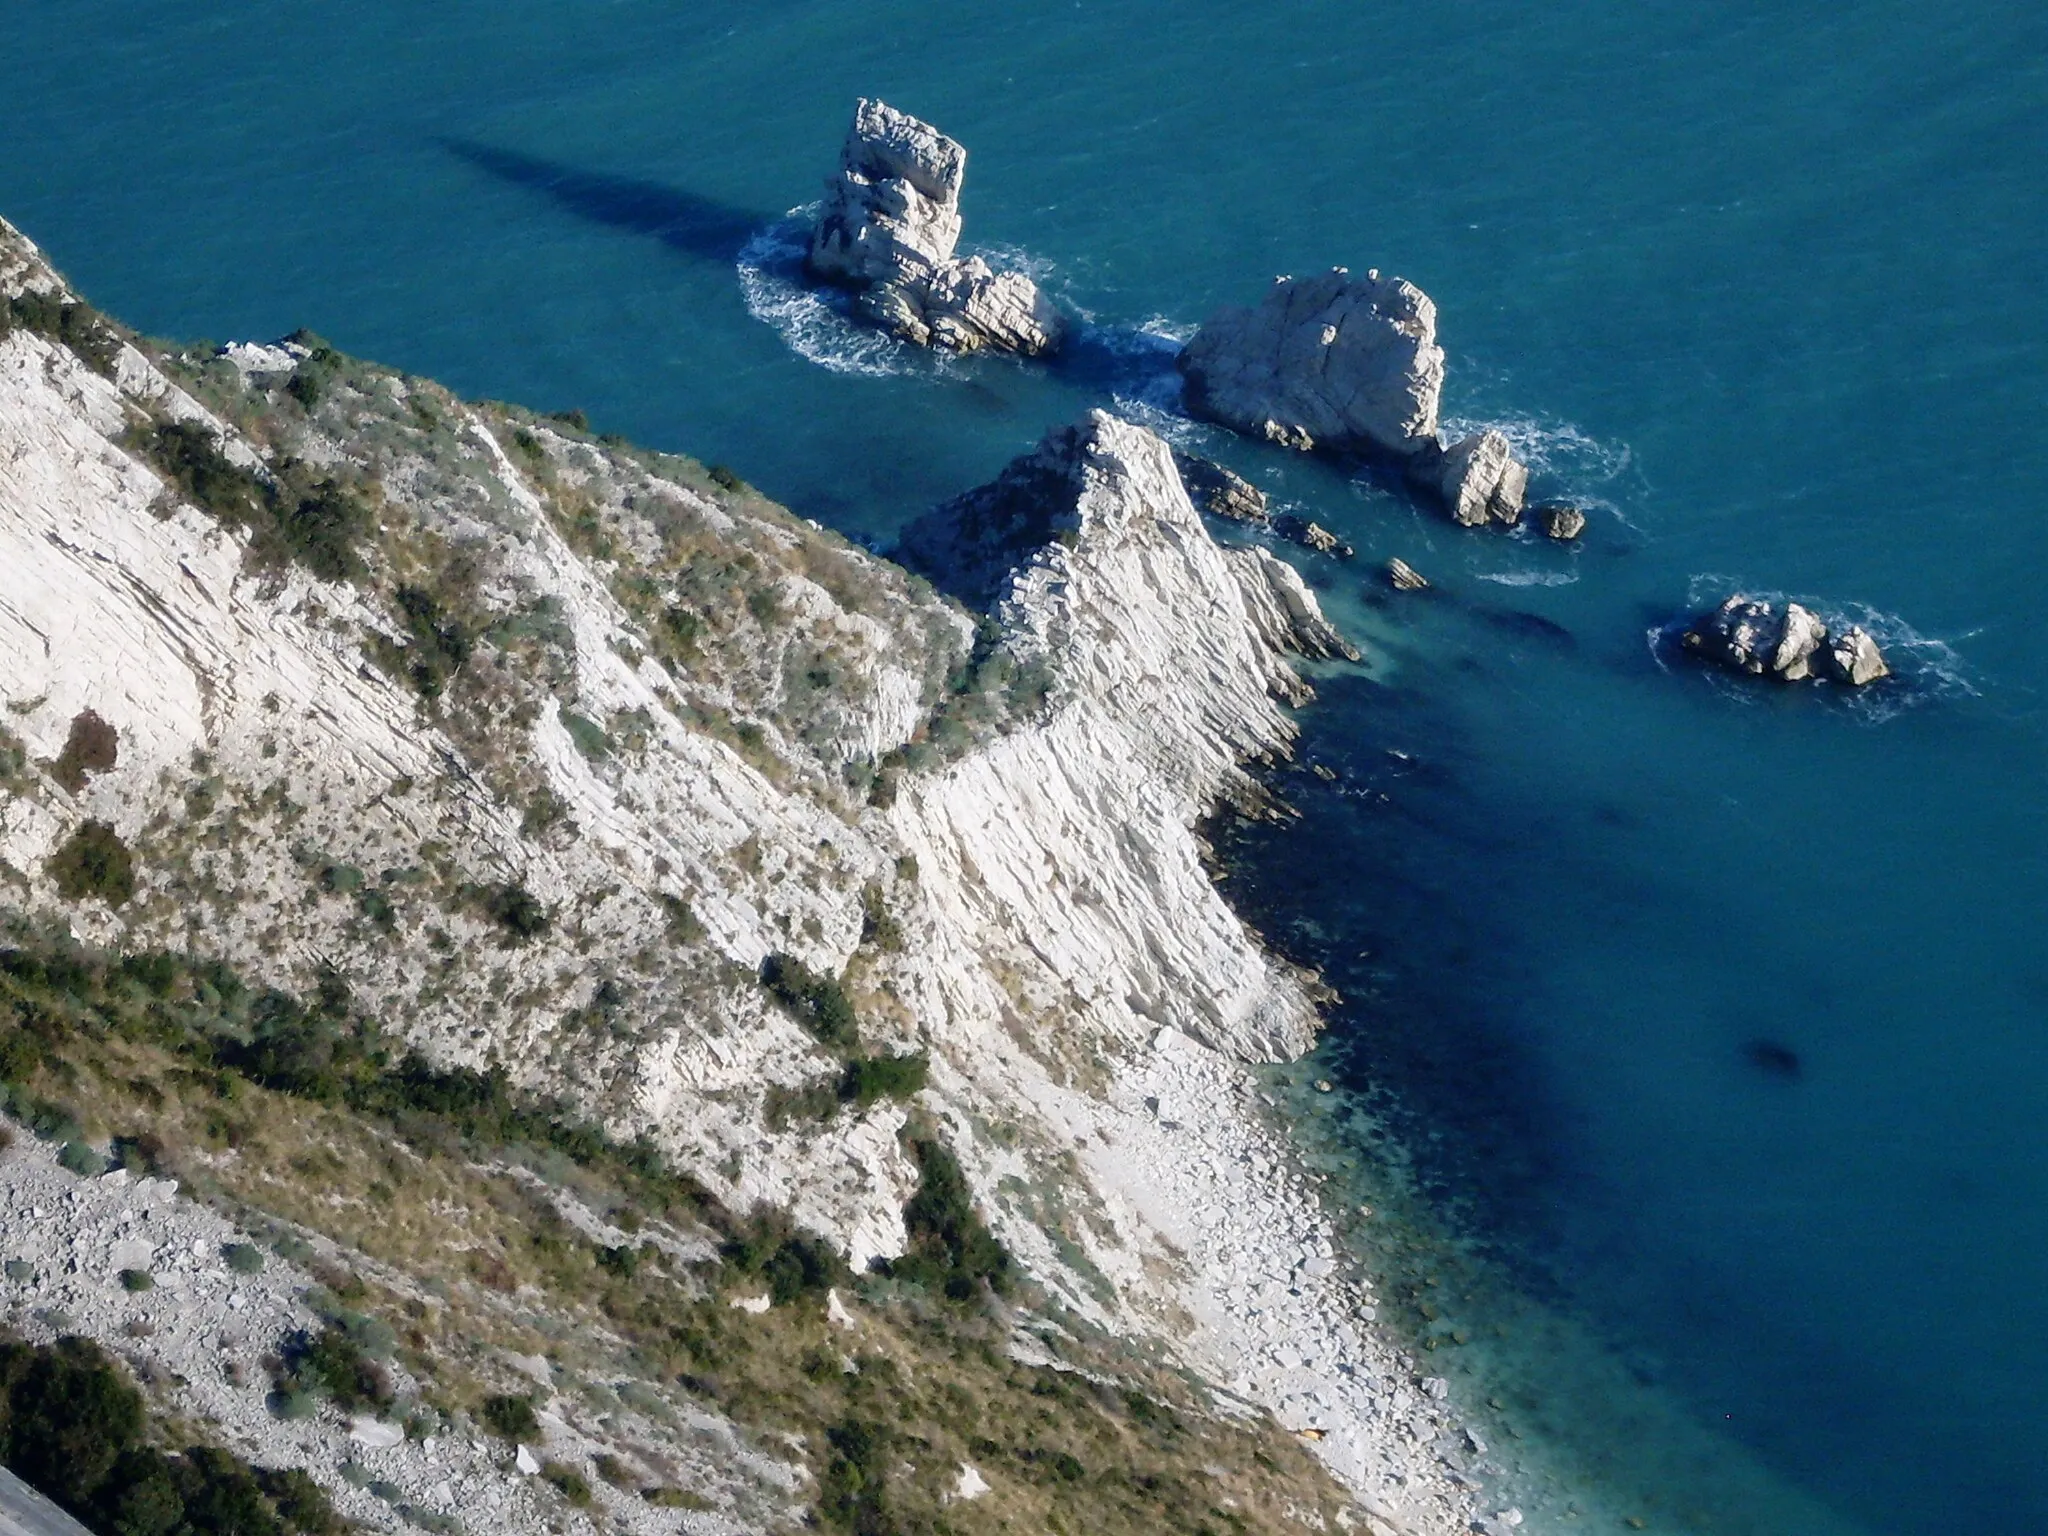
(878, 925)
(868, 1080)
(794, 1264)
(509, 1417)
(589, 736)
(20, 1271)
(190, 457)
(951, 1248)
(570, 1483)
(137, 1280)
(341, 879)
(516, 910)
(322, 528)
(93, 864)
(676, 1498)
(73, 1427)
(435, 648)
(293, 517)
(80, 1159)
(819, 1002)
(92, 338)
(316, 372)
(243, 1258)
(725, 479)
(334, 1365)
(92, 747)
(853, 1492)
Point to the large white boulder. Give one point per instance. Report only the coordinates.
(1335, 361)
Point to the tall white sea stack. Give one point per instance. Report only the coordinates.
(890, 222)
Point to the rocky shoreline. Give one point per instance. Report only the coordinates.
(1031, 911)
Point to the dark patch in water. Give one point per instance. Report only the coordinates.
(683, 221)
(1773, 1059)
(1519, 621)
(981, 399)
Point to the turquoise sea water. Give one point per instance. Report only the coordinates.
(1759, 283)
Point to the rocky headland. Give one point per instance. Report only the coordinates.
(767, 1016)
(890, 221)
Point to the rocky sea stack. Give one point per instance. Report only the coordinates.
(1745, 634)
(1348, 364)
(890, 222)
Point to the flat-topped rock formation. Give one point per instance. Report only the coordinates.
(1745, 634)
(1350, 364)
(889, 226)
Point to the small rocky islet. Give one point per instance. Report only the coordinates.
(1336, 363)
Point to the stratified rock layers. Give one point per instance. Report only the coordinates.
(1123, 597)
(890, 223)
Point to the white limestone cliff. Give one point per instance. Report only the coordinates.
(1057, 920)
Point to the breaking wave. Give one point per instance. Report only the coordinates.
(812, 322)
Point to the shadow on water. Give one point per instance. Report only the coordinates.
(684, 221)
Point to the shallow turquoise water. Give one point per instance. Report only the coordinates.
(1760, 283)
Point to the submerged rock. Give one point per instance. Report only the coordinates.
(1560, 521)
(890, 223)
(1746, 634)
(1333, 362)
(1220, 492)
(1481, 481)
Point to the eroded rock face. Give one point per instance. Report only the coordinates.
(1854, 658)
(888, 230)
(1560, 521)
(1220, 492)
(1746, 634)
(1335, 362)
(1482, 481)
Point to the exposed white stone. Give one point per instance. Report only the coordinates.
(888, 228)
(1482, 481)
(972, 1484)
(1334, 361)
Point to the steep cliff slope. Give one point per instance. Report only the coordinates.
(593, 775)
